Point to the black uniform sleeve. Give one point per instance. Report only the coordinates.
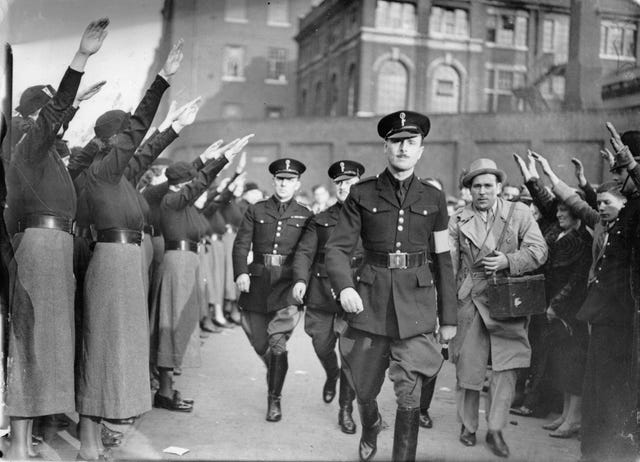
(147, 153)
(190, 192)
(81, 161)
(306, 252)
(216, 202)
(154, 193)
(113, 165)
(590, 195)
(445, 282)
(343, 239)
(242, 243)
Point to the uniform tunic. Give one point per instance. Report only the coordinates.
(41, 330)
(178, 298)
(114, 380)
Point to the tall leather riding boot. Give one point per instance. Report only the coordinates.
(371, 424)
(278, 365)
(330, 365)
(405, 435)
(426, 395)
(347, 395)
(265, 359)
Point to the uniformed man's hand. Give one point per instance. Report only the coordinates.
(243, 282)
(351, 301)
(616, 140)
(446, 334)
(608, 157)
(172, 64)
(299, 289)
(494, 262)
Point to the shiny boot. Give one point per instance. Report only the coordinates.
(278, 365)
(371, 425)
(405, 435)
(347, 395)
(330, 365)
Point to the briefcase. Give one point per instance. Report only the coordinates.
(515, 297)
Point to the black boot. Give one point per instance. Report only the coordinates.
(426, 395)
(278, 366)
(347, 395)
(330, 364)
(405, 435)
(371, 425)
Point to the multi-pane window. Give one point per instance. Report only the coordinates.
(618, 39)
(445, 91)
(392, 87)
(233, 62)
(555, 36)
(448, 22)
(278, 12)
(499, 90)
(400, 16)
(333, 97)
(235, 10)
(277, 64)
(507, 28)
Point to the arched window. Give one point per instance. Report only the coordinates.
(318, 109)
(392, 87)
(351, 91)
(445, 90)
(333, 102)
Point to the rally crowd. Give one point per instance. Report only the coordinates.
(117, 262)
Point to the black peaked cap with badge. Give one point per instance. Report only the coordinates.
(286, 168)
(403, 124)
(344, 169)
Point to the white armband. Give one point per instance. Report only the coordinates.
(441, 241)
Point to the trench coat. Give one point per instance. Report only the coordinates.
(525, 248)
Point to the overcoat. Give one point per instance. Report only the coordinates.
(372, 212)
(526, 250)
(270, 232)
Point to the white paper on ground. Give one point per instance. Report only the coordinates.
(175, 450)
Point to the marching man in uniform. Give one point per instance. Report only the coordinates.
(312, 285)
(269, 312)
(478, 252)
(392, 307)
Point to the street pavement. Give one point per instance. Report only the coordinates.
(228, 422)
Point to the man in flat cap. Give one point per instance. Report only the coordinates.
(391, 305)
(313, 288)
(269, 312)
(479, 253)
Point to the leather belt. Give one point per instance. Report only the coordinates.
(46, 222)
(183, 244)
(268, 259)
(84, 232)
(121, 236)
(396, 260)
(148, 229)
(355, 261)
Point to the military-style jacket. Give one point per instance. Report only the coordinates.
(398, 302)
(309, 261)
(270, 233)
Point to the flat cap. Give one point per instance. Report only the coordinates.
(403, 124)
(34, 98)
(286, 168)
(344, 169)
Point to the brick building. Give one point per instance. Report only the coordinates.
(241, 55)
(366, 57)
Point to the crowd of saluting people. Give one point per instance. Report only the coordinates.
(118, 262)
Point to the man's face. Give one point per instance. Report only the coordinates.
(609, 205)
(510, 193)
(321, 195)
(403, 154)
(484, 191)
(344, 186)
(285, 188)
(621, 177)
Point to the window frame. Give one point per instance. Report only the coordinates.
(518, 15)
(233, 78)
(608, 24)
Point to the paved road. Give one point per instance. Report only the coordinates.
(228, 420)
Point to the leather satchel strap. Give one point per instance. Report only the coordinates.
(503, 234)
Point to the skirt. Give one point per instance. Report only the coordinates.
(177, 302)
(41, 324)
(114, 372)
(230, 288)
(215, 278)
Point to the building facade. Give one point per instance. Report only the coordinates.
(367, 57)
(241, 57)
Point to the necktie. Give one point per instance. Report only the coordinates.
(282, 206)
(400, 192)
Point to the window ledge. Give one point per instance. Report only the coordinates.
(629, 59)
(276, 81)
(459, 38)
(237, 20)
(231, 78)
(278, 24)
(506, 47)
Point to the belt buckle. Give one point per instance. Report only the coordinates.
(398, 260)
(271, 259)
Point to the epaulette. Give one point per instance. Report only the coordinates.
(367, 179)
(303, 205)
(426, 183)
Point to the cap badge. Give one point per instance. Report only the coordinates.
(47, 92)
(403, 118)
(342, 166)
(287, 164)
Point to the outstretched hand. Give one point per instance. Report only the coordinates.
(582, 180)
(89, 92)
(608, 157)
(172, 64)
(242, 163)
(93, 36)
(616, 140)
(237, 147)
(524, 170)
(186, 115)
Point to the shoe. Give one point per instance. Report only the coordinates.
(345, 420)
(178, 395)
(171, 404)
(127, 421)
(371, 421)
(554, 425)
(496, 443)
(106, 431)
(207, 325)
(177, 371)
(466, 437)
(425, 419)
(224, 324)
(329, 388)
(574, 429)
(524, 411)
(345, 399)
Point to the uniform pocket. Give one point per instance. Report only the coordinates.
(421, 221)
